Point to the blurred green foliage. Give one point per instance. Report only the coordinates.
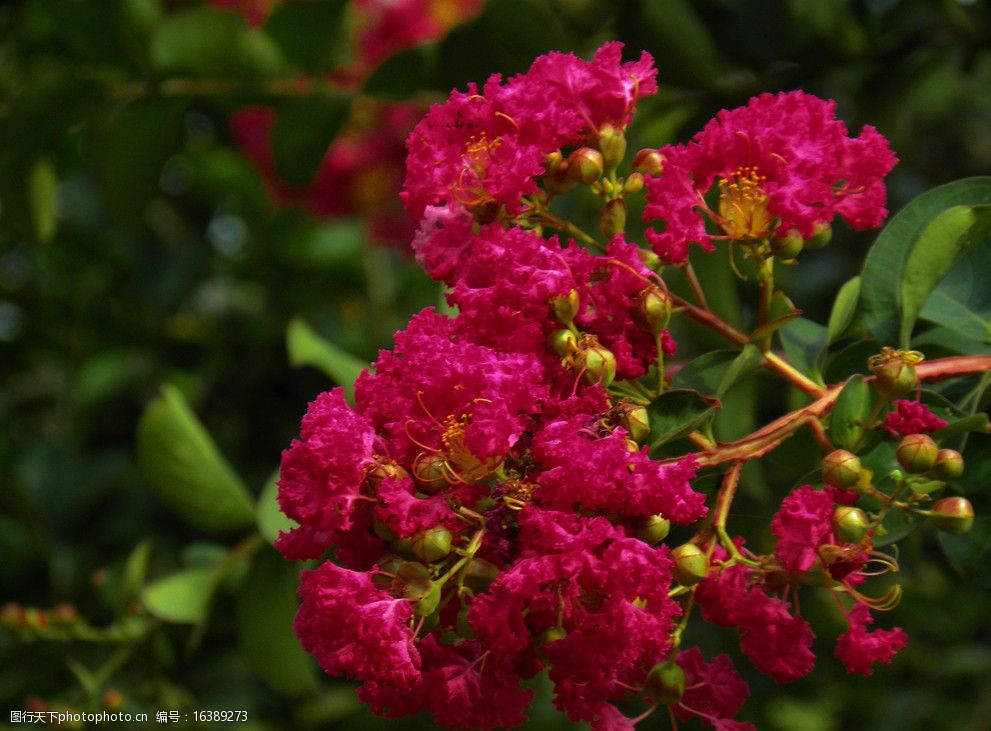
(139, 247)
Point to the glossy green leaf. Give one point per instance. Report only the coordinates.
(962, 299)
(844, 310)
(881, 288)
(308, 34)
(42, 190)
(306, 348)
(677, 413)
(208, 41)
(303, 131)
(183, 597)
(271, 519)
(949, 235)
(705, 373)
(265, 610)
(183, 465)
(850, 413)
(975, 423)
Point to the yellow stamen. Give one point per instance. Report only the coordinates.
(743, 210)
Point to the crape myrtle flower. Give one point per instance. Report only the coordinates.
(804, 526)
(912, 417)
(859, 648)
(592, 602)
(714, 691)
(781, 164)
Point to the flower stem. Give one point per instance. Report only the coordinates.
(765, 278)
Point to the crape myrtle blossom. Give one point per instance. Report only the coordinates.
(494, 504)
(782, 163)
(912, 417)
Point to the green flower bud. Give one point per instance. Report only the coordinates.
(648, 162)
(690, 564)
(786, 248)
(553, 162)
(383, 531)
(411, 570)
(612, 145)
(388, 568)
(382, 471)
(403, 547)
(612, 220)
(565, 308)
(636, 421)
(949, 465)
(822, 236)
(112, 700)
(633, 184)
(432, 544)
(665, 684)
(850, 524)
(425, 596)
(651, 260)
(894, 372)
(599, 364)
(953, 514)
(841, 469)
(562, 342)
(654, 529)
(585, 165)
(430, 473)
(479, 574)
(917, 453)
(653, 310)
(551, 635)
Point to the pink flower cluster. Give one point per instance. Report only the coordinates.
(484, 510)
(912, 417)
(782, 163)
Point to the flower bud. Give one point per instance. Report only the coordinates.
(612, 220)
(565, 308)
(841, 469)
(387, 569)
(653, 529)
(424, 594)
(648, 162)
(562, 342)
(665, 684)
(432, 544)
(612, 145)
(850, 524)
(479, 574)
(953, 514)
(651, 260)
(786, 248)
(822, 236)
(585, 165)
(636, 421)
(653, 310)
(917, 453)
(403, 547)
(691, 565)
(894, 373)
(64, 614)
(553, 162)
(551, 635)
(430, 473)
(599, 364)
(633, 184)
(112, 700)
(949, 465)
(381, 471)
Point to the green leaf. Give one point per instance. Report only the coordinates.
(183, 597)
(681, 40)
(265, 610)
(944, 341)
(962, 300)
(271, 519)
(803, 342)
(308, 34)
(133, 576)
(42, 190)
(716, 372)
(975, 423)
(881, 287)
(211, 42)
(303, 131)
(969, 553)
(414, 68)
(779, 314)
(848, 419)
(942, 242)
(306, 348)
(182, 463)
(844, 310)
(677, 413)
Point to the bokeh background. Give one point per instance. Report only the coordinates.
(204, 195)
